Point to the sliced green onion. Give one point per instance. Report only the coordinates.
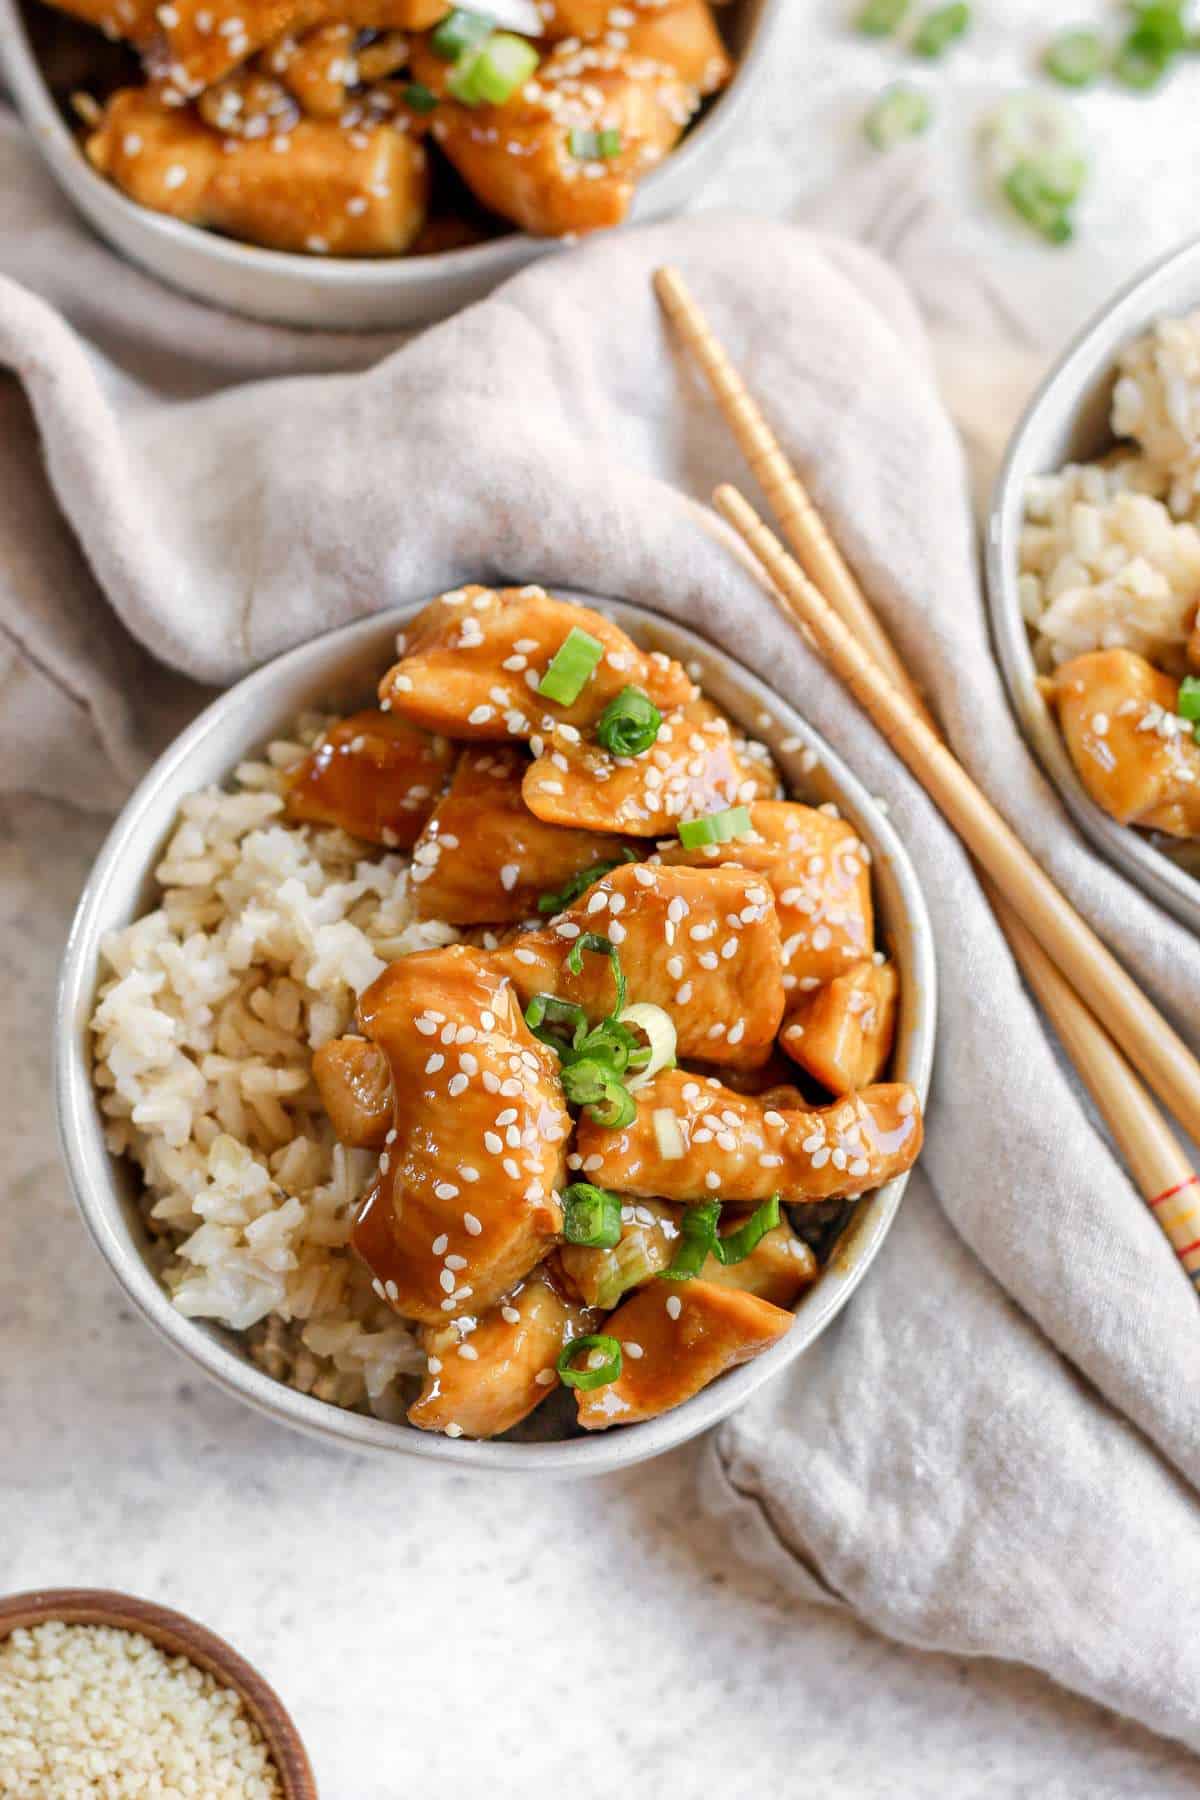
(571, 668)
(586, 1379)
(546, 1011)
(698, 1237)
(1159, 28)
(941, 28)
(594, 146)
(618, 1109)
(715, 828)
(900, 112)
(460, 34)
(1188, 704)
(1137, 68)
(419, 97)
(1037, 201)
(579, 884)
(495, 72)
(629, 724)
(591, 940)
(660, 1030)
(668, 1134)
(745, 1240)
(591, 1216)
(1076, 58)
(880, 18)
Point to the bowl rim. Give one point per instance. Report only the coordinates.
(89, 1164)
(331, 274)
(179, 1635)
(1055, 405)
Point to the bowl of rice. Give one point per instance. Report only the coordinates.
(1094, 536)
(216, 944)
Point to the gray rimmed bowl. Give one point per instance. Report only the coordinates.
(1068, 421)
(340, 671)
(343, 293)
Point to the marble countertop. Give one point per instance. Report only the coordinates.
(433, 1630)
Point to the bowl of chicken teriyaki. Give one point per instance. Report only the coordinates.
(355, 164)
(497, 1031)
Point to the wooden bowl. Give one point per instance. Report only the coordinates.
(178, 1636)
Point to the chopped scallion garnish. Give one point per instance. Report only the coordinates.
(660, 1041)
(1076, 58)
(592, 1061)
(900, 112)
(629, 724)
(941, 28)
(419, 97)
(460, 33)
(715, 828)
(698, 1236)
(594, 146)
(571, 668)
(591, 1216)
(493, 74)
(1188, 704)
(743, 1242)
(592, 940)
(1032, 195)
(880, 18)
(605, 1372)
(579, 884)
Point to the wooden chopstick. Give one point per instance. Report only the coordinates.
(1159, 1166)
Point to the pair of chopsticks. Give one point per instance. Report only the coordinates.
(1101, 1016)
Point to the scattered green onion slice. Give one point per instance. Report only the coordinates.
(594, 146)
(591, 940)
(668, 1134)
(715, 828)
(1032, 195)
(494, 73)
(1075, 58)
(902, 111)
(940, 28)
(419, 97)
(586, 1379)
(571, 667)
(1159, 28)
(629, 724)
(1137, 68)
(579, 884)
(546, 1011)
(1188, 704)
(618, 1109)
(880, 18)
(460, 34)
(698, 1237)
(745, 1240)
(591, 1216)
(660, 1031)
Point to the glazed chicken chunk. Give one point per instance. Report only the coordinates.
(472, 660)
(466, 1202)
(694, 1139)
(355, 1085)
(483, 1376)
(675, 1338)
(539, 159)
(778, 1269)
(842, 1034)
(818, 870)
(1134, 754)
(374, 775)
(680, 33)
(703, 944)
(348, 194)
(485, 859)
(696, 765)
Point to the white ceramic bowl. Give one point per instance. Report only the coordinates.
(1067, 421)
(346, 294)
(341, 671)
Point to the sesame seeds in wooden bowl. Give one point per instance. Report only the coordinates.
(61, 1688)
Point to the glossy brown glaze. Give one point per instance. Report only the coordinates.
(843, 1033)
(355, 1085)
(374, 775)
(1135, 756)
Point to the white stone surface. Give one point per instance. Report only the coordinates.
(443, 1634)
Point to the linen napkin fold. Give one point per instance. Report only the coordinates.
(993, 1450)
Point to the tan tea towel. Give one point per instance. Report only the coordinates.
(995, 1449)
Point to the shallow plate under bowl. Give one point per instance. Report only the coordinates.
(344, 293)
(1067, 421)
(340, 671)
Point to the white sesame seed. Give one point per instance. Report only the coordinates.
(453, 1430)
(634, 1350)
(674, 1306)
(472, 1224)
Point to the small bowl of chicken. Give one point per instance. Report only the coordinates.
(497, 1032)
(373, 166)
(1094, 580)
